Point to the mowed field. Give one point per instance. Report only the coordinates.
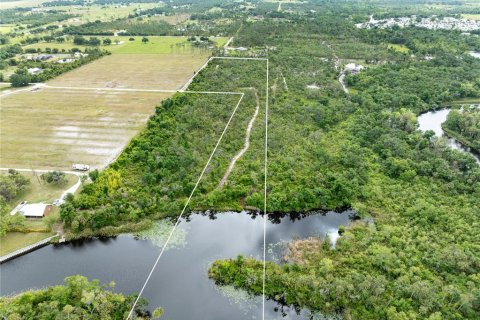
(80, 117)
(164, 63)
(139, 71)
(52, 129)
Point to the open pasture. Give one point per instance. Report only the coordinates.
(163, 63)
(471, 16)
(104, 12)
(21, 4)
(145, 71)
(51, 129)
(123, 44)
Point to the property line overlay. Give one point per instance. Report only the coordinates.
(183, 90)
(265, 215)
(184, 207)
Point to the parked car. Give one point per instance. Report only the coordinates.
(80, 167)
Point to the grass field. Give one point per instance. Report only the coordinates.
(162, 63)
(15, 240)
(146, 71)
(155, 45)
(102, 12)
(40, 191)
(398, 47)
(52, 128)
(6, 28)
(471, 16)
(21, 4)
(173, 19)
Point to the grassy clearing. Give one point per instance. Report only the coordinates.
(102, 12)
(471, 16)
(155, 45)
(21, 3)
(399, 48)
(15, 240)
(173, 19)
(6, 28)
(40, 191)
(53, 128)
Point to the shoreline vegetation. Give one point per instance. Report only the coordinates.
(462, 139)
(418, 259)
(78, 298)
(463, 125)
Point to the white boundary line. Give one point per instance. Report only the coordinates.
(265, 203)
(203, 172)
(185, 207)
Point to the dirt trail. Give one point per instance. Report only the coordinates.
(245, 146)
(341, 78)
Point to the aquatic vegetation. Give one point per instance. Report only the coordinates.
(159, 232)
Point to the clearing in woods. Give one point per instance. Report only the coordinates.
(50, 128)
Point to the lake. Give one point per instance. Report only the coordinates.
(180, 283)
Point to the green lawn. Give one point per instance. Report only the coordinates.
(398, 47)
(6, 28)
(471, 16)
(155, 45)
(40, 191)
(15, 240)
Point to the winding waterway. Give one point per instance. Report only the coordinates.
(180, 283)
(433, 120)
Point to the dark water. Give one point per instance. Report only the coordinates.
(433, 121)
(180, 283)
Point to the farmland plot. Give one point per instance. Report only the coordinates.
(139, 71)
(53, 128)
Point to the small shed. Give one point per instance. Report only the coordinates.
(35, 210)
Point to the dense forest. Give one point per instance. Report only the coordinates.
(416, 252)
(77, 299)
(419, 258)
(465, 125)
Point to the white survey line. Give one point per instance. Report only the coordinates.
(185, 206)
(245, 146)
(41, 170)
(185, 86)
(265, 202)
(201, 176)
(140, 90)
(240, 58)
(228, 42)
(35, 86)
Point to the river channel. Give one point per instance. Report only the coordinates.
(433, 120)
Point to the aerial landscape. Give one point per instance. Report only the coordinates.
(231, 159)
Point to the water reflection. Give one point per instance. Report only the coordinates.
(433, 120)
(180, 283)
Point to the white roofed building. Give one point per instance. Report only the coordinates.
(35, 210)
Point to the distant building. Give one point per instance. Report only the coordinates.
(354, 68)
(43, 57)
(35, 210)
(66, 60)
(34, 71)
